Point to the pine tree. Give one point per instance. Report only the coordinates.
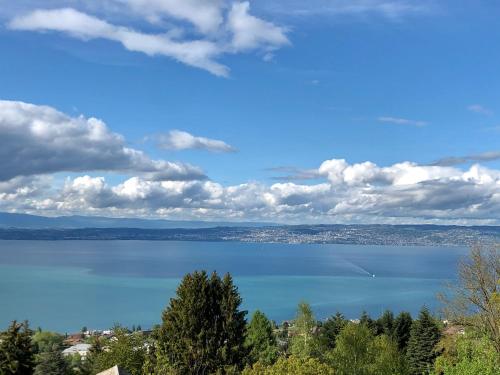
(424, 336)
(17, 350)
(366, 320)
(51, 362)
(402, 329)
(385, 324)
(202, 329)
(331, 329)
(260, 340)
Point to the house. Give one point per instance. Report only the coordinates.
(81, 349)
(454, 330)
(75, 338)
(115, 370)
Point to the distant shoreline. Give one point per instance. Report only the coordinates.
(393, 235)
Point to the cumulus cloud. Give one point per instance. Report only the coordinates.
(478, 108)
(250, 32)
(220, 30)
(41, 140)
(401, 121)
(181, 140)
(360, 192)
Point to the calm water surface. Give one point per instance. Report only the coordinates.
(64, 285)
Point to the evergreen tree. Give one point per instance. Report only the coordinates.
(260, 340)
(424, 336)
(366, 320)
(402, 328)
(52, 362)
(330, 330)
(16, 350)
(304, 342)
(385, 324)
(202, 329)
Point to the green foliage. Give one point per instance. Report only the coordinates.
(126, 350)
(351, 355)
(424, 336)
(45, 341)
(291, 365)
(402, 330)
(473, 356)
(385, 324)
(359, 352)
(260, 340)
(203, 330)
(16, 350)
(330, 330)
(304, 342)
(386, 357)
(366, 320)
(52, 362)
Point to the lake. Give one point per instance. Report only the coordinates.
(64, 285)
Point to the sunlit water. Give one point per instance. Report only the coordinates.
(64, 285)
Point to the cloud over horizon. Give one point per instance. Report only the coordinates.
(38, 140)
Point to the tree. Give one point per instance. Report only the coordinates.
(366, 320)
(45, 341)
(402, 329)
(291, 365)
(385, 324)
(424, 336)
(203, 330)
(473, 356)
(126, 349)
(330, 330)
(52, 362)
(386, 358)
(260, 340)
(359, 352)
(351, 355)
(16, 350)
(473, 301)
(304, 343)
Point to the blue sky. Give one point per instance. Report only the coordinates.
(384, 82)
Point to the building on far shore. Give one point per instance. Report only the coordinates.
(115, 370)
(81, 349)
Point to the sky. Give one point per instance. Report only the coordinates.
(325, 111)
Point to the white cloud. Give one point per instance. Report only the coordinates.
(478, 108)
(181, 140)
(197, 53)
(222, 29)
(362, 192)
(250, 32)
(206, 15)
(401, 121)
(41, 140)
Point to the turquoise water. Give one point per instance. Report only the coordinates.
(64, 285)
